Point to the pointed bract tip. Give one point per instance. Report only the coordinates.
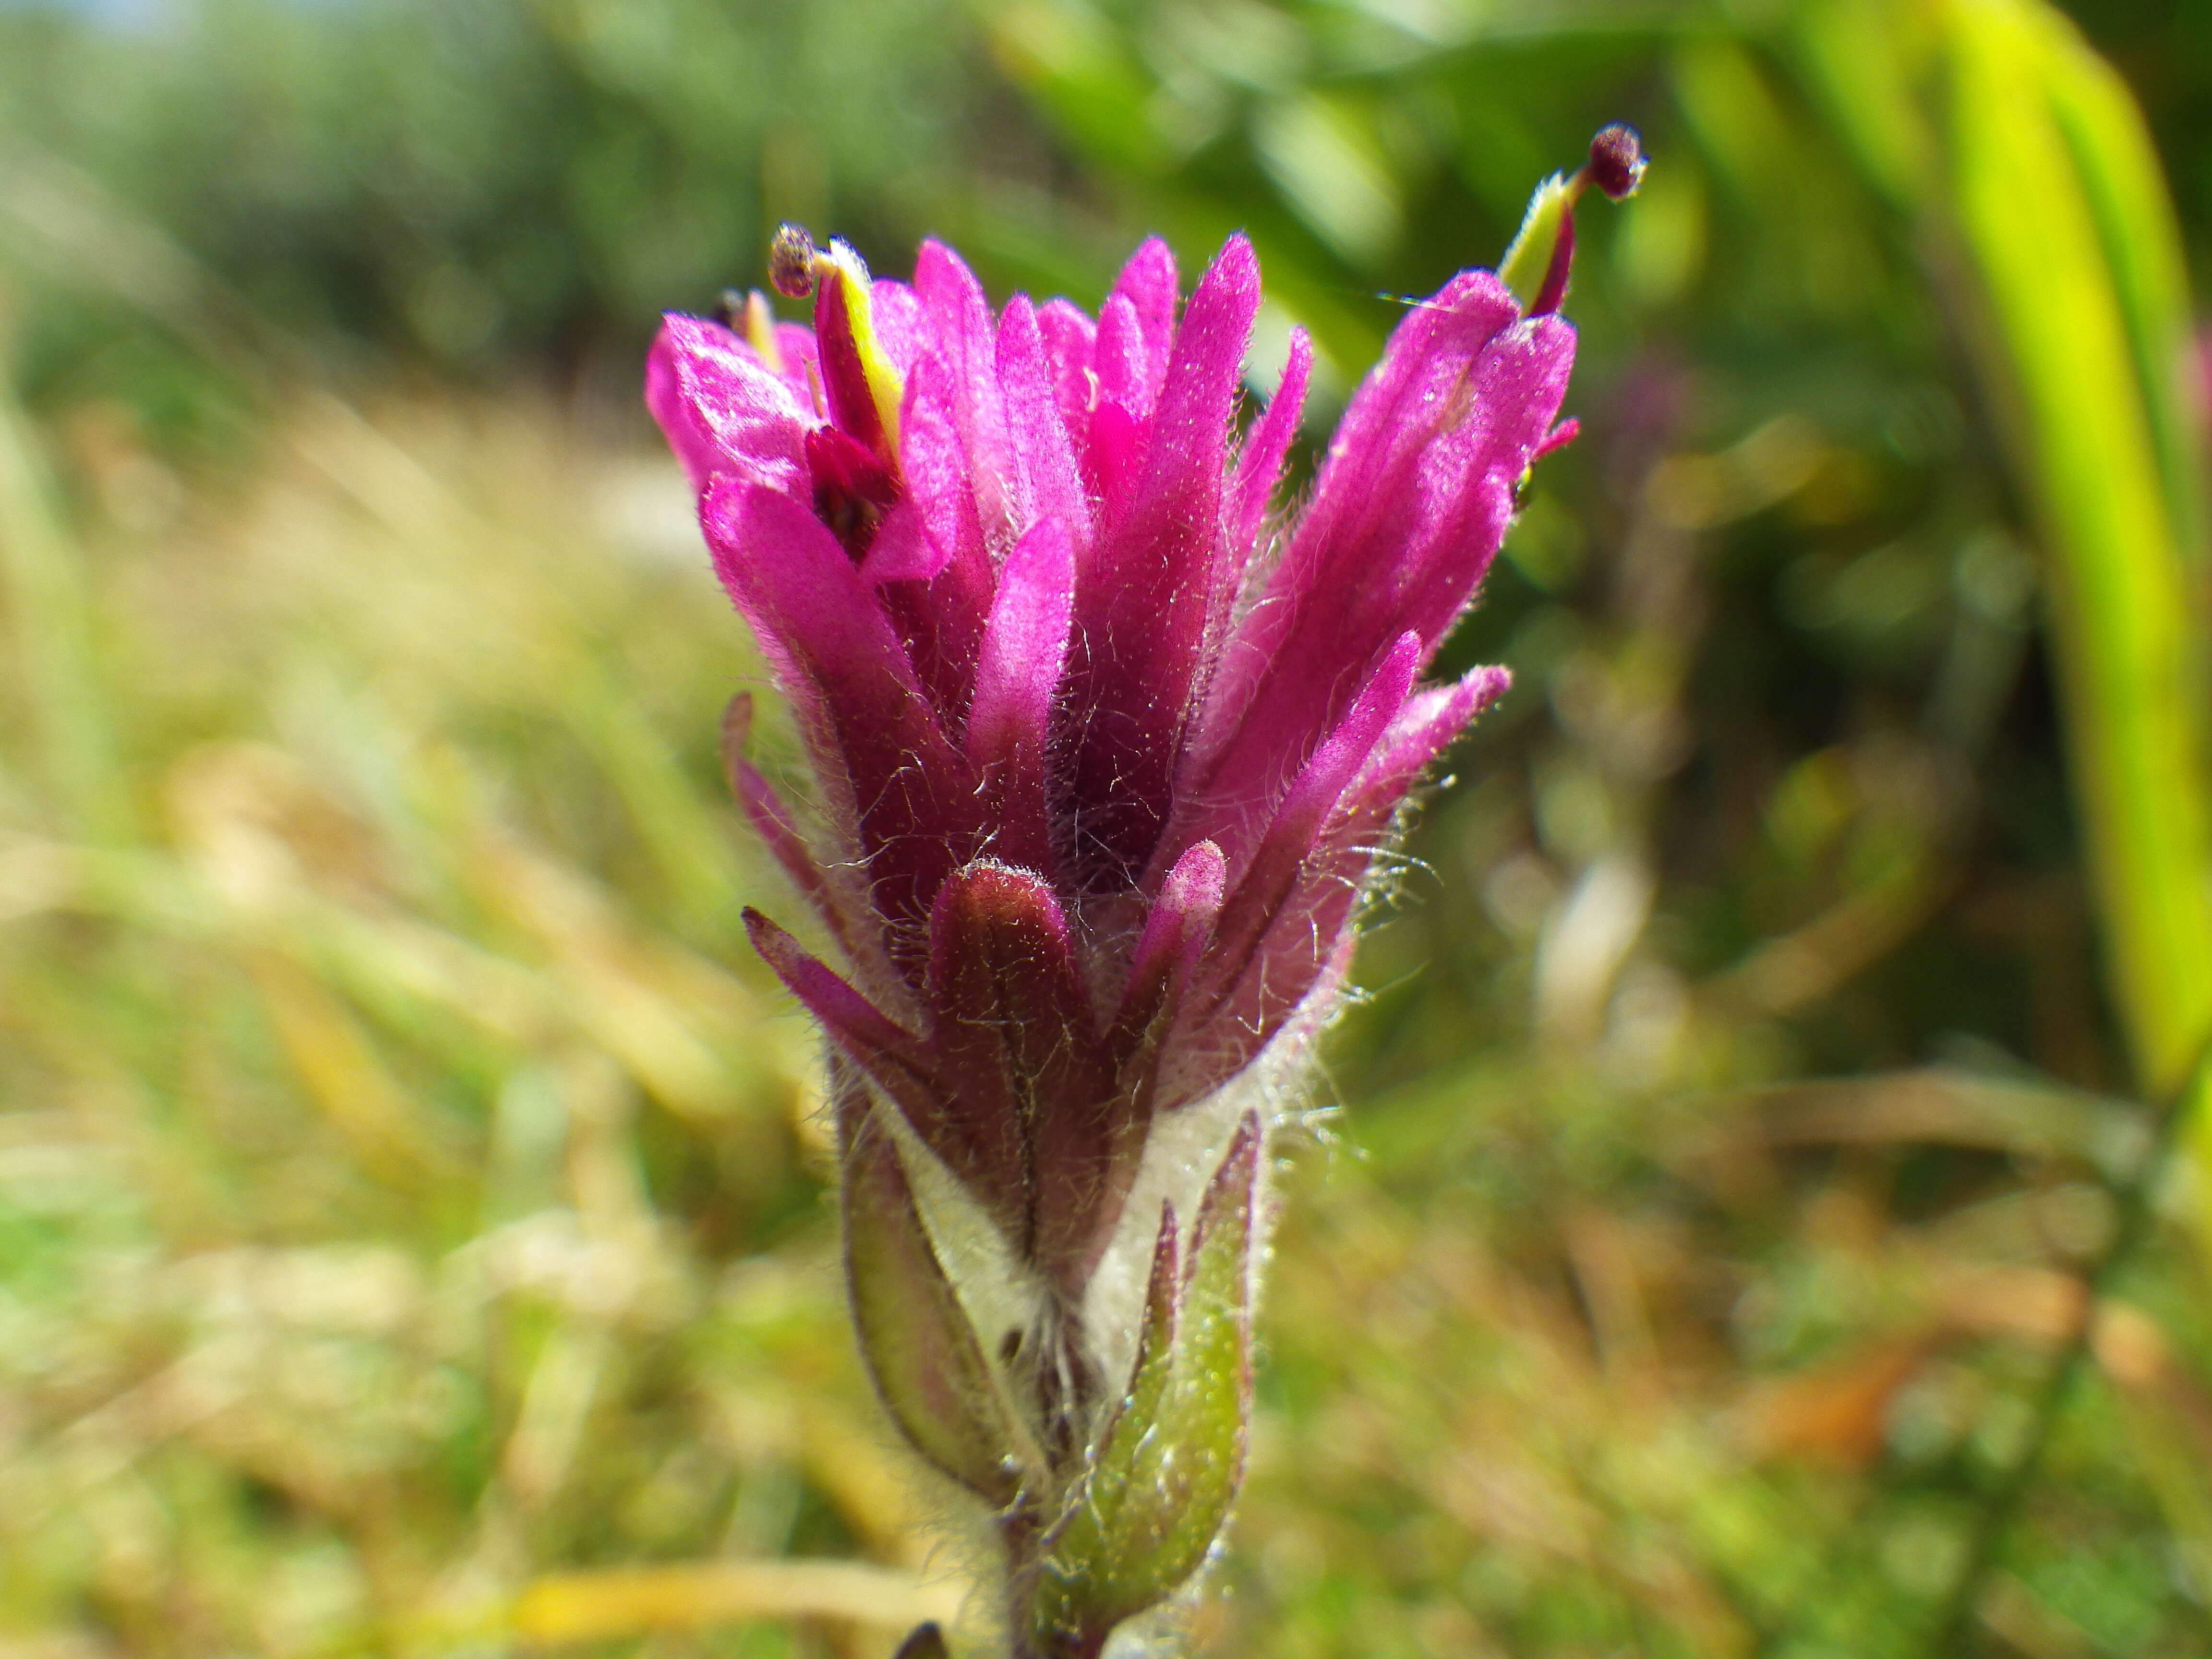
(737, 734)
(791, 261)
(1617, 160)
(1167, 1266)
(738, 720)
(1197, 878)
(1154, 258)
(926, 1642)
(1228, 1194)
(1241, 1160)
(783, 954)
(1176, 934)
(1235, 268)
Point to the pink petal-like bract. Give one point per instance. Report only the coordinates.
(1107, 740)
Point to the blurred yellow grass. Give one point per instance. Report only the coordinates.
(407, 1187)
(586, 1607)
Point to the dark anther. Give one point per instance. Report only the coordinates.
(732, 310)
(791, 262)
(1617, 160)
(853, 489)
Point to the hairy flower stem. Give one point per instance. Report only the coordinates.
(2137, 1198)
(1023, 1532)
(1110, 746)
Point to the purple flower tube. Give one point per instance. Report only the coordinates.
(1107, 748)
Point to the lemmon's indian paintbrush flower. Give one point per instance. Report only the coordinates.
(1107, 749)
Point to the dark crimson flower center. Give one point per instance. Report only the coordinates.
(853, 487)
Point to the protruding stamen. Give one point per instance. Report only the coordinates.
(752, 319)
(1616, 162)
(853, 487)
(1553, 288)
(791, 259)
(1538, 265)
(759, 329)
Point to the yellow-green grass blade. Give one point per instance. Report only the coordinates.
(2028, 101)
(2126, 192)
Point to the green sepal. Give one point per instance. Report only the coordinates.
(919, 1345)
(1171, 1456)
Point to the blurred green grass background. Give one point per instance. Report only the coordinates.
(412, 1233)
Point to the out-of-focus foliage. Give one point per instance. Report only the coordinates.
(467, 185)
(406, 1184)
(412, 1234)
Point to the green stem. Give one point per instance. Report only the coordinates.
(1022, 1530)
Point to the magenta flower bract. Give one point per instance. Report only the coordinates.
(1107, 745)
